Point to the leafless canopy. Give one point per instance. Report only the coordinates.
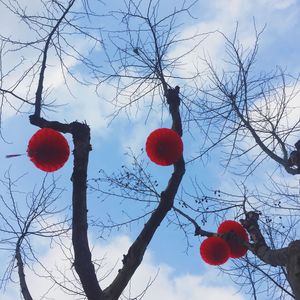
(244, 110)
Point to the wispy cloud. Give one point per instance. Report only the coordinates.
(167, 284)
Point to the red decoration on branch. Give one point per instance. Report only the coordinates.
(236, 249)
(48, 149)
(164, 146)
(214, 251)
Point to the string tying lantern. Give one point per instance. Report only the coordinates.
(48, 149)
(164, 146)
(236, 249)
(214, 251)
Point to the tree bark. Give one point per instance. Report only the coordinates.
(83, 259)
(293, 267)
(24, 288)
(288, 257)
(134, 256)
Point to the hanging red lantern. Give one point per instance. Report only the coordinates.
(214, 251)
(164, 146)
(236, 249)
(48, 149)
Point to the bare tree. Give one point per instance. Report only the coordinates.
(19, 223)
(249, 112)
(81, 137)
(238, 104)
(249, 109)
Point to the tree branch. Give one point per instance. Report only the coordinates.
(24, 288)
(198, 229)
(260, 247)
(83, 261)
(288, 257)
(284, 162)
(39, 91)
(83, 258)
(135, 254)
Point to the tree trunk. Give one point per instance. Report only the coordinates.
(24, 288)
(288, 257)
(293, 267)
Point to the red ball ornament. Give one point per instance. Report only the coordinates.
(236, 249)
(48, 149)
(164, 146)
(214, 251)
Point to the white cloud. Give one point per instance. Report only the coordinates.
(223, 16)
(86, 106)
(135, 138)
(54, 81)
(280, 4)
(167, 285)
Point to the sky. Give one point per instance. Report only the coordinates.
(180, 275)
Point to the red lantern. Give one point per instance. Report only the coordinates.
(164, 146)
(236, 249)
(214, 251)
(48, 149)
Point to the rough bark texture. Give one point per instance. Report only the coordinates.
(288, 257)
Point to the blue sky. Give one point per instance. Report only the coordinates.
(181, 276)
